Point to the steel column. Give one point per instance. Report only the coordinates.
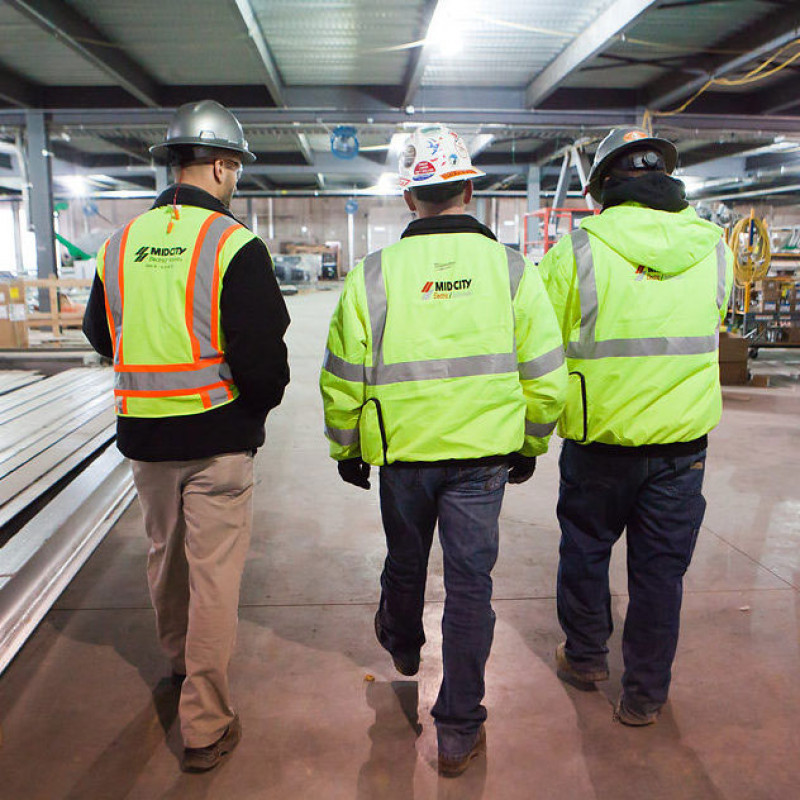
(534, 188)
(40, 195)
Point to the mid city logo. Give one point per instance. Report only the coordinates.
(148, 251)
(446, 290)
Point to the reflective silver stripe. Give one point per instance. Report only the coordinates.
(340, 368)
(516, 269)
(656, 346)
(539, 428)
(342, 436)
(111, 283)
(721, 270)
(543, 365)
(587, 286)
(376, 303)
(218, 395)
(203, 284)
(437, 369)
(380, 374)
(587, 347)
(168, 381)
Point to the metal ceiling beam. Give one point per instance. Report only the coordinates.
(548, 122)
(17, 90)
(419, 55)
(754, 42)
(597, 36)
(272, 78)
(77, 33)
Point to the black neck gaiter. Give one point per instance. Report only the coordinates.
(653, 189)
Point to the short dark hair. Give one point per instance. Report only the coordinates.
(438, 193)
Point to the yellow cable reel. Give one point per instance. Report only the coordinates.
(749, 241)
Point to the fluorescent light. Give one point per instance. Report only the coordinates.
(76, 184)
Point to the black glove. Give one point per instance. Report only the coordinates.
(355, 471)
(520, 467)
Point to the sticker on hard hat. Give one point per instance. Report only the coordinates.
(632, 136)
(445, 176)
(423, 170)
(409, 155)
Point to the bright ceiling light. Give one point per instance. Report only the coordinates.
(77, 185)
(386, 185)
(446, 31)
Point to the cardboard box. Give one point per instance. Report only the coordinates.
(732, 348)
(13, 330)
(732, 373)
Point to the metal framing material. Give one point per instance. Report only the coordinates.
(44, 556)
(38, 158)
(613, 21)
(58, 19)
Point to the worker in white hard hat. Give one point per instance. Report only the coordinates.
(186, 304)
(444, 367)
(640, 291)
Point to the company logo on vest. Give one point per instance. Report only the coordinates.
(446, 290)
(143, 252)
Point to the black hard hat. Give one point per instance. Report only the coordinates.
(619, 141)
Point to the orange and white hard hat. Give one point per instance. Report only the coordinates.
(434, 154)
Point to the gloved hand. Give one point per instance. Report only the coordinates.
(355, 471)
(520, 467)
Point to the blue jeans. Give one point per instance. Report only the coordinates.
(659, 501)
(466, 502)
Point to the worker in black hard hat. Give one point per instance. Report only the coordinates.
(640, 292)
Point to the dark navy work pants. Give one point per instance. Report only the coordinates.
(466, 503)
(658, 501)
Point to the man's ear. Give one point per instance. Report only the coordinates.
(409, 198)
(219, 169)
(467, 193)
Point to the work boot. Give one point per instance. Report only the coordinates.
(576, 676)
(629, 716)
(405, 663)
(453, 767)
(202, 759)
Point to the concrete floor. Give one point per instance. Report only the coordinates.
(86, 713)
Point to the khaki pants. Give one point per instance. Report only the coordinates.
(198, 515)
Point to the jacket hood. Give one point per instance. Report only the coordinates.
(663, 241)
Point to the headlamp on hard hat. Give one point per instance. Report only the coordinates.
(649, 160)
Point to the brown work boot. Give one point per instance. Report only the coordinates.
(453, 767)
(575, 676)
(202, 759)
(628, 716)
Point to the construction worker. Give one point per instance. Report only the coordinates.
(444, 367)
(187, 304)
(639, 292)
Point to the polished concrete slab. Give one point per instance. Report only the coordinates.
(86, 712)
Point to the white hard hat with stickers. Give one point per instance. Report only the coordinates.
(432, 155)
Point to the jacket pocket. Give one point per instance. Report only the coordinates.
(372, 433)
(575, 419)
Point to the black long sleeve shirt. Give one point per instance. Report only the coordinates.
(254, 320)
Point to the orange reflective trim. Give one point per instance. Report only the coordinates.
(191, 367)
(215, 298)
(170, 392)
(206, 398)
(121, 279)
(198, 246)
(124, 404)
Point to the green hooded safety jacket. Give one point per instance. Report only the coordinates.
(640, 295)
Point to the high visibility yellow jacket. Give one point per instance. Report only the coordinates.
(162, 275)
(443, 346)
(640, 295)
